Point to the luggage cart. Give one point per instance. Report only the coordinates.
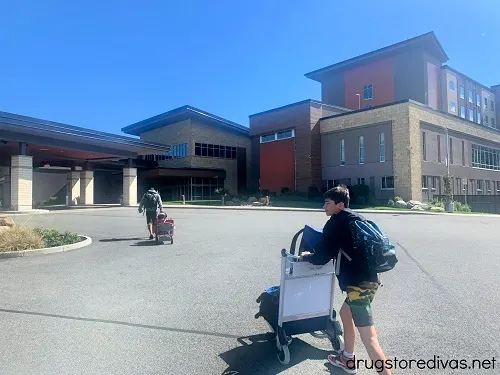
(306, 300)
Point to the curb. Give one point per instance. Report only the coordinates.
(48, 250)
(21, 213)
(242, 208)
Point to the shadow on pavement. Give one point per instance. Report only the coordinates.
(257, 355)
(146, 243)
(121, 239)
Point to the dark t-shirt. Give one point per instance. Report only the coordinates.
(336, 237)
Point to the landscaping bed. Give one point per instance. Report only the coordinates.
(21, 238)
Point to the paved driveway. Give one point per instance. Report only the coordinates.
(122, 306)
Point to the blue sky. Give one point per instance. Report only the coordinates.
(107, 64)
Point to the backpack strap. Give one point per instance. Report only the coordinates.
(339, 257)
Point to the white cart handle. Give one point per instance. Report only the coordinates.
(290, 257)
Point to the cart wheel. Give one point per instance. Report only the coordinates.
(284, 355)
(338, 343)
(171, 240)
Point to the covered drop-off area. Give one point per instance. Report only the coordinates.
(44, 163)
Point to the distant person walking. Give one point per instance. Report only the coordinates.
(152, 204)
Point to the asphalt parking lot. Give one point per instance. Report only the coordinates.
(126, 306)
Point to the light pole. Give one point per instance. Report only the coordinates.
(359, 101)
(450, 207)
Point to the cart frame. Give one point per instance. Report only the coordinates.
(298, 313)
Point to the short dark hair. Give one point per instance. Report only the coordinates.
(338, 194)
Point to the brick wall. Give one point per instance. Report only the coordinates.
(194, 131)
(403, 138)
(21, 182)
(129, 186)
(296, 117)
(87, 187)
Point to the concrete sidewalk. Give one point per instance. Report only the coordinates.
(361, 211)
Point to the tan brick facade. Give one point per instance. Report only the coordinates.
(87, 187)
(192, 132)
(21, 174)
(406, 120)
(129, 186)
(73, 187)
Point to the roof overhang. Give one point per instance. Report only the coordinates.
(16, 128)
(426, 41)
(181, 114)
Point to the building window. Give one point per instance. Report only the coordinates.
(478, 100)
(493, 122)
(285, 135)
(361, 149)
(462, 111)
(439, 148)
(463, 153)
(452, 86)
(215, 151)
(277, 136)
(361, 180)
(485, 157)
(486, 120)
(486, 102)
(479, 185)
(424, 154)
(368, 106)
(342, 152)
(471, 114)
(453, 107)
(488, 186)
(424, 182)
(492, 106)
(462, 92)
(434, 180)
(470, 96)
(368, 92)
(478, 118)
(179, 151)
(267, 138)
(381, 142)
(388, 182)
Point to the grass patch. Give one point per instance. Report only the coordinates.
(20, 238)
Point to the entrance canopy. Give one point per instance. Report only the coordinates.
(51, 142)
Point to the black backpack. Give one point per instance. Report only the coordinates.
(378, 251)
(150, 200)
(269, 306)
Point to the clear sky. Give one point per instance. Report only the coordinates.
(107, 64)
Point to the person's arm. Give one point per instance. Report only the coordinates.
(327, 249)
(160, 203)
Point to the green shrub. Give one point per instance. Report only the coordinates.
(390, 203)
(52, 237)
(397, 198)
(437, 203)
(360, 194)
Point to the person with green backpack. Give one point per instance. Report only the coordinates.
(152, 204)
(361, 251)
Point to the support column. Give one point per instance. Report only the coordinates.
(129, 186)
(21, 183)
(73, 187)
(87, 187)
(5, 187)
